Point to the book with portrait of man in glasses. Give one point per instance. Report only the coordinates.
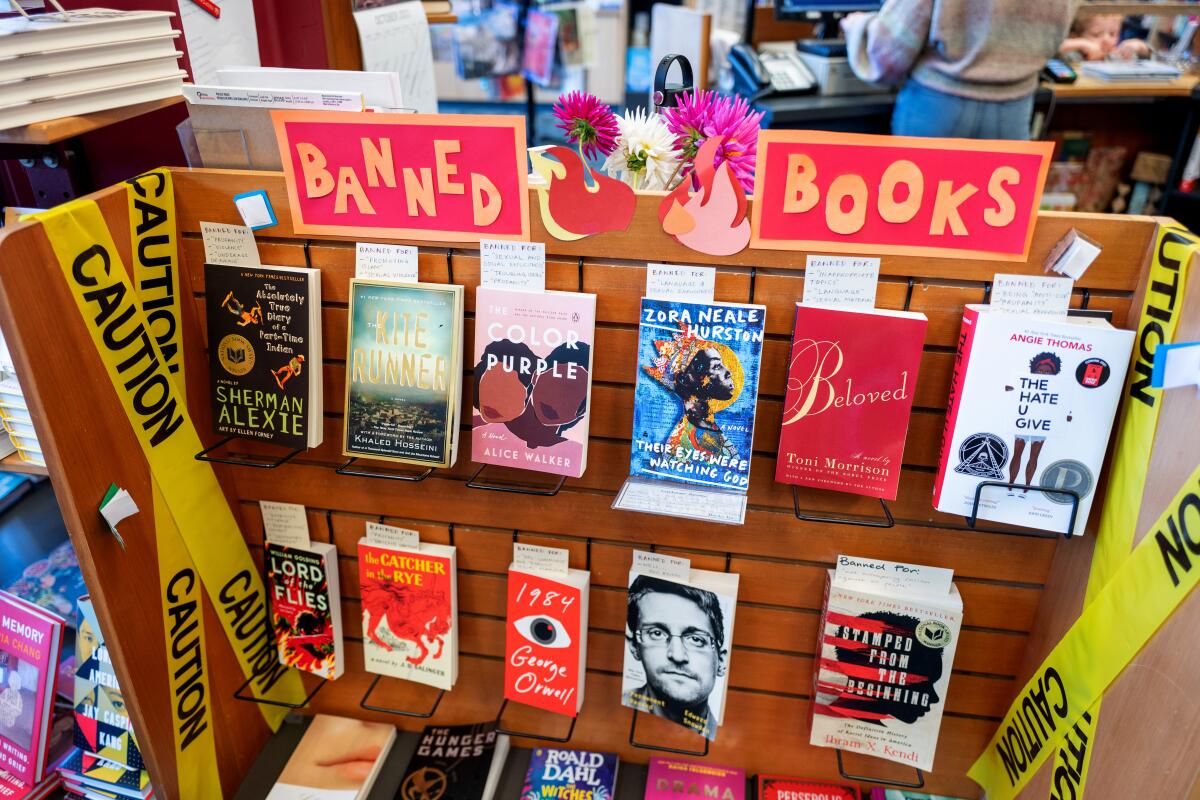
(678, 641)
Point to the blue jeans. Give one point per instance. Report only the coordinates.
(921, 111)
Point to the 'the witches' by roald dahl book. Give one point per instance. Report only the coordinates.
(697, 383)
(533, 379)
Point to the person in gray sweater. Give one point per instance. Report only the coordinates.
(967, 68)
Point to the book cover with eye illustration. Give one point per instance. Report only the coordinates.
(533, 379)
(545, 642)
(697, 385)
(306, 612)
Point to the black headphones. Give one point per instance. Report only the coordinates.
(667, 96)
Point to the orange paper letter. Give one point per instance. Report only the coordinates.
(909, 174)
(1006, 210)
(317, 180)
(349, 187)
(945, 208)
(378, 162)
(485, 212)
(420, 192)
(446, 170)
(846, 222)
(800, 194)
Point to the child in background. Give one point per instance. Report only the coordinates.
(1097, 37)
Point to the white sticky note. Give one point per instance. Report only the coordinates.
(841, 281)
(1076, 257)
(256, 210)
(547, 560)
(392, 536)
(520, 266)
(1033, 295)
(660, 565)
(1176, 365)
(284, 523)
(119, 507)
(892, 576)
(232, 245)
(689, 284)
(385, 262)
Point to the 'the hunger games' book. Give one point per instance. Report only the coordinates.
(404, 372)
(456, 762)
(306, 612)
(850, 384)
(264, 353)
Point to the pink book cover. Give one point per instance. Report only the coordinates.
(29, 649)
(533, 379)
(671, 779)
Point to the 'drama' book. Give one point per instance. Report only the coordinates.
(404, 372)
(697, 383)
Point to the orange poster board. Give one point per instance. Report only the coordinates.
(900, 195)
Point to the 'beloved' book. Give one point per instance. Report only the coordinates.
(410, 611)
(672, 779)
(697, 384)
(680, 636)
(30, 640)
(533, 379)
(780, 787)
(264, 353)
(458, 762)
(404, 372)
(885, 649)
(337, 759)
(102, 724)
(306, 612)
(545, 640)
(556, 774)
(850, 383)
(1032, 401)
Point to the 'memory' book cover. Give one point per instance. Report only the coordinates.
(404, 372)
(545, 642)
(533, 379)
(1032, 402)
(697, 384)
(779, 787)
(306, 612)
(672, 779)
(850, 384)
(410, 612)
(884, 655)
(30, 640)
(556, 774)
(458, 762)
(102, 724)
(264, 353)
(678, 638)
(337, 759)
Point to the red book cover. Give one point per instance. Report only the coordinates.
(851, 379)
(545, 644)
(777, 787)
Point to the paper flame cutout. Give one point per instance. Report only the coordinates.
(713, 220)
(571, 209)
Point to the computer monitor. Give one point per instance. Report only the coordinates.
(801, 9)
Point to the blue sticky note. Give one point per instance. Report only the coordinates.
(255, 208)
(1165, 352)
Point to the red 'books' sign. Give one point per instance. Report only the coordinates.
(444, 177)
(545, 645)
(850, 193)
(850, 385)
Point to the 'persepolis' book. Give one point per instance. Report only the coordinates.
(338, 758)
(545, 641)
(533, 379)
(556, 774)
(264, 353)
(680, 637)
(306, 609)
(672, 779)
(457, 762)
(30, 641)
(410, 611)
(850, 383)
(1032, 402)
(780, 787)
(102, 724)
(404, 372)
(885, 649)
(697, 385)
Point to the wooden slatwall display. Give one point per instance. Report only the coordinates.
(781, 560)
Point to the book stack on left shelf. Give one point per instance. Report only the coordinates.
(20, 436)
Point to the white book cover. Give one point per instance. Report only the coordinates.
(679, 638)
(52, 62)
(886, 646)
(283, 99)
(1032, 403)
(75, 103)
(379, 89)
(39, 33)
(89, 80)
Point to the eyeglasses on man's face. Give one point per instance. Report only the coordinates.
(658, 636)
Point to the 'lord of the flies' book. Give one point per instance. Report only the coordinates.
(306, 612)
(533, 379)
(403, 372)
(1032, 402)
(264, 353)
(850, 384)
(697, 384)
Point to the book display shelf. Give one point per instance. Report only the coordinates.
(782, 560)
